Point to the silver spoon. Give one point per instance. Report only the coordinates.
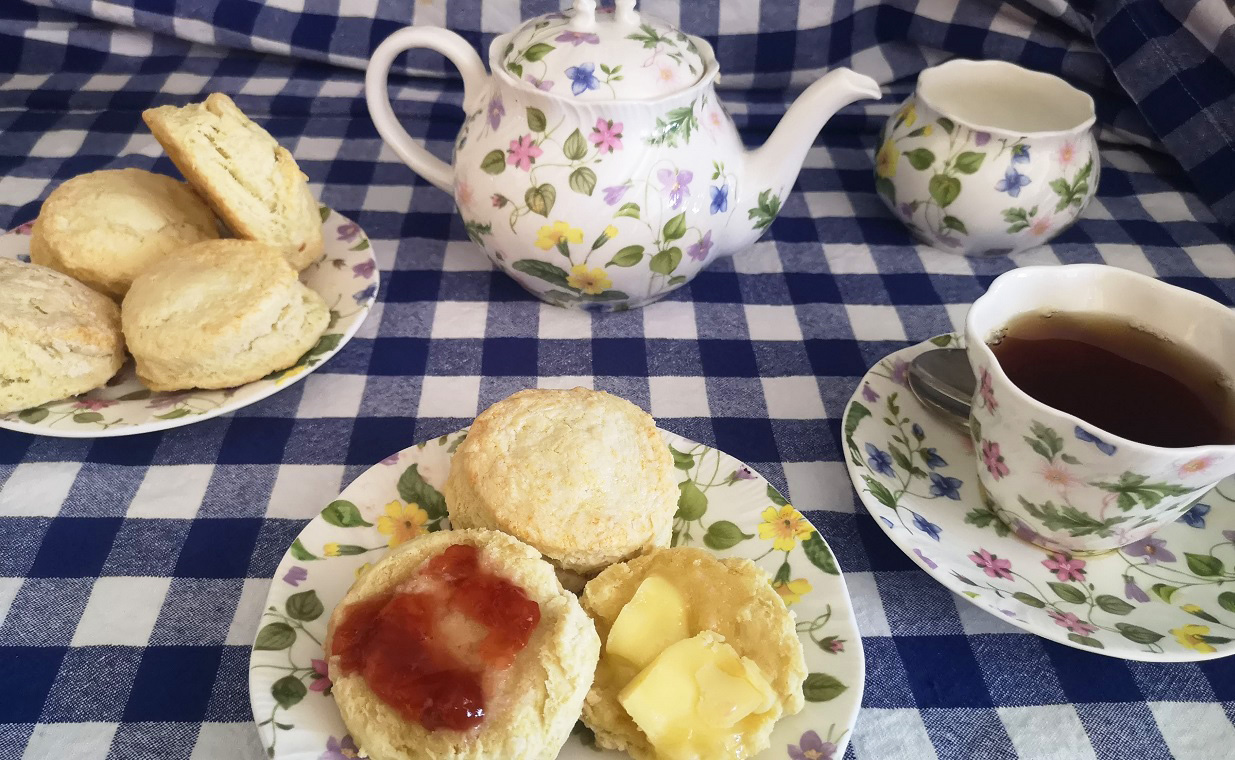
(943, 381)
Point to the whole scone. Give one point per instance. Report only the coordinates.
(581, 475)
(530, 706)
(219, 314)
(251, 181)
(732, 597)
(106, 227)
(58, 338)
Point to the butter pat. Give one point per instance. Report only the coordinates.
(653, 620)
(691, 697)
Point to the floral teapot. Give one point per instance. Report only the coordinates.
(596, 166)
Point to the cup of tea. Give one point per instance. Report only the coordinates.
(1105, 404)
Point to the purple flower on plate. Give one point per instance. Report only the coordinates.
(348, 232)
(540, 84)
(900, 370)
(340, 749)
(676, 185)
(295, 575)
(933, 459)
(577, 38)
(366, 294)
(495, 111)
(811, 747)
(720, 199)
(699, 251)
(887, 522)
(393, 459)
(743, 473)
(906, 210)
(168, 399)
(364, 269)
(1133, 591)
(879, 460)
(925, 559)
(942, 485)
(1020, 154)
(1195, 516)
(614, 194)
(1229, 535)
(981, 138)
(23, 258)
(24, 229)
(1152, 549)
(868, 393)
(926, 526)
(321, 677)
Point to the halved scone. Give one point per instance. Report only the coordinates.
(460, 644)
(691, 638)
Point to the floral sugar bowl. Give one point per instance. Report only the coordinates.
(987, 157)
(596, 165)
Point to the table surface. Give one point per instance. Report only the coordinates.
(133, 570)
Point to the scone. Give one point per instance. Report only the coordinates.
(106, 227)
(583, 476)
(58, 337)
(219, 314)
(462, 645)
(683, 604)
(249, 180)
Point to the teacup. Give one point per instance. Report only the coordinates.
(987, 157)
(1055, 479)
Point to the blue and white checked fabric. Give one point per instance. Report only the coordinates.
(133, 570)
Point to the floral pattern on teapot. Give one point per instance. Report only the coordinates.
(976, 192)
(613, 232)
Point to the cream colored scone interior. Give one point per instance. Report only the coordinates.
(219, 314)
(581, 475)
(245, 175)
(531, 706)
(666, 658)
(105, 227)
(58, 338)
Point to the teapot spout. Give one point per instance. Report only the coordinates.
(772, 168)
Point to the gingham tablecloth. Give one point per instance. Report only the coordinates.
(133, 570)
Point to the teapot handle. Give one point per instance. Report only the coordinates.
(377, 96)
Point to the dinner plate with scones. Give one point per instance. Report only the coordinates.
(139, 302)
(559, 579)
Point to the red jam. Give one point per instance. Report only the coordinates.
(396, 643)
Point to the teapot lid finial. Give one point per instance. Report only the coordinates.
(611, 53)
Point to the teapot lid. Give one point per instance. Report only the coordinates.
(613, 54)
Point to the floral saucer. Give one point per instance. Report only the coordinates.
(346, 277)
(1161, 599)
(724, 506)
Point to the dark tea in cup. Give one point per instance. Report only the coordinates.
(1119, 377)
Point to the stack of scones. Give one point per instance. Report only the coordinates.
(128, 258)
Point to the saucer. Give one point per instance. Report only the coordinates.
(1166, 598)
(725, 508)
(345, 277)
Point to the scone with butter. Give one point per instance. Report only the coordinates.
(219, 314)
(581, 475)
(460, 645)
(106, 227)
(245, 175)
(700, 657)
(58, 338)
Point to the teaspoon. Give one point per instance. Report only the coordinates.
(943, 381)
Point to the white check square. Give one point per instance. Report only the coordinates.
(678, 397)
(171, 491)
(449, 397)
(670, 319)
(80, 741)
(772, 322)
(301, 490)
(793, 398)
(121, 611)
(37, 489)
(459, 319)
(875, 322)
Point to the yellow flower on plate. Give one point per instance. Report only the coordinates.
(1190, 636)
(363, 569)
(289, 374)
(331, 549)
(792, 591)
(785, 527)
(886, 158)
(611, 231)
(590, 281)
(402, 522)
(926, 131)
(557, 233)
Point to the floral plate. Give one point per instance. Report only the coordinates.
(346, 277)
(724, 507)
(1160, 599)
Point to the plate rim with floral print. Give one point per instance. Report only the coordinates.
(1160, 599)
(724, 507)
(346, 276)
